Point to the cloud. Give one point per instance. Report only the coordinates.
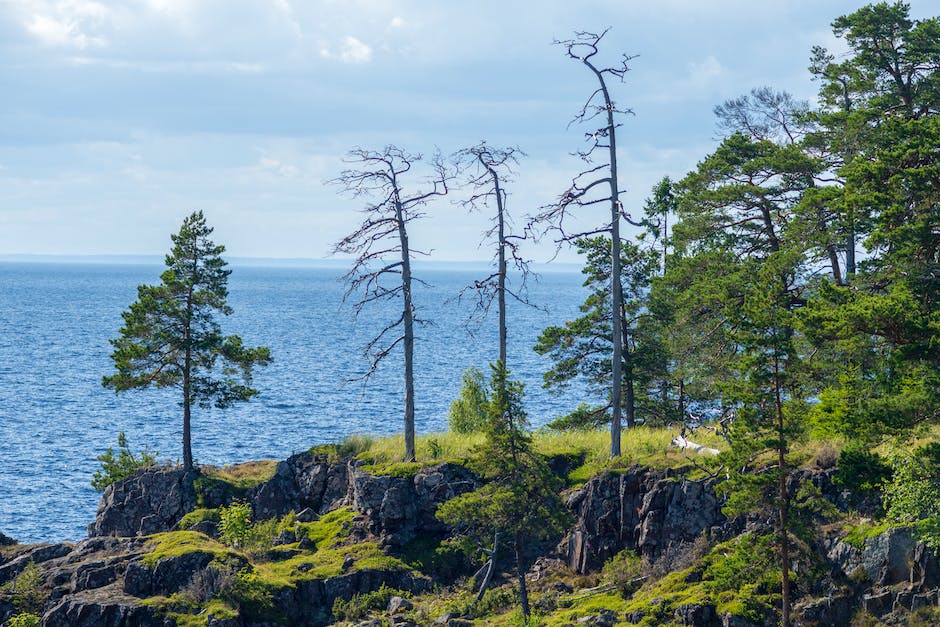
(67, 24)
(351, 50)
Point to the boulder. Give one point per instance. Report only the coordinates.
(641, 509)
(6, 540)
(149, 501)
(167, 576)
(100, 607)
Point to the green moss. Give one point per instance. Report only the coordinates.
(405, 470)
(329, 529)
(197, 516)
(176, 543)
(242, 476)
(858, 534)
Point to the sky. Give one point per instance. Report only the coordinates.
(118, 119)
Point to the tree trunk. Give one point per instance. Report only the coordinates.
(501, 287)
(409, 336)
(616, 296)
(784, 498)
(629, 401)
(490, 569)
(187, 384)
(520, 571)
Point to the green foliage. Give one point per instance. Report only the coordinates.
(912, 496)
(359, 606)
(861, 470)
(583, 417)
(351, 446)
(468, 412)
(171, 335)
(197, 516)
(581, 348)
(26, 590)
(24, 619)
(123, 465)
(623, 570)
(235, 524)
(520, 497)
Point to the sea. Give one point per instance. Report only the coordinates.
(56, 320)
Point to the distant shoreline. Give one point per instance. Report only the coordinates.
(267, 262)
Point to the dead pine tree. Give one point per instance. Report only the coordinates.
(597, 184)
(487, 170)
(381, 269)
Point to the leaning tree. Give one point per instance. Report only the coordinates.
(598, 184)
(382, 255)
(172, 338)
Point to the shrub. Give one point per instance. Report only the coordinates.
(235, 524)
(623, 570)
(359, 606)
(24, 620)
(583, 417)
(215, 580)
(912, 496)
(121, 466)
(468, 411)
(26, 590)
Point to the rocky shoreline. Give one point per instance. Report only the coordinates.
(113, 577)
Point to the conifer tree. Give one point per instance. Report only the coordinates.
(171, 336)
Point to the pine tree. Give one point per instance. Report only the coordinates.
(171, 336)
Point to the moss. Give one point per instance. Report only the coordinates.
(329, 529)
(405, 470)
(197, 516)
(858, 534)
(176, 543)
(242, 476)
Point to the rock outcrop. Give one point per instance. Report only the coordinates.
(640, 509)
(149, 501)
(396, 508)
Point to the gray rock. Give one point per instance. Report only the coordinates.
(878, 604)
(6, 540)
(399, 604)
(642, 510)
(149, 501)
(100, 608)
(698, 614)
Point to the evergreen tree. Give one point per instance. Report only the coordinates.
(172, 338)
(581, 348)
(519, 500)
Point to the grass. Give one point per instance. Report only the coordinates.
(242, 476)
(176, 543)
(649, 446)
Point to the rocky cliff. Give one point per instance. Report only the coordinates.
(125, 575)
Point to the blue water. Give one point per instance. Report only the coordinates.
(55, 418)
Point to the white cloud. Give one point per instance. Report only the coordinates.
(396, 22)
(351, 50)
(354, 51)
(703, 73)
(69, 23)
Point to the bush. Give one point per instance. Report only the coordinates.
(468, 412)
(912, 496)
(24, 620)
(217, 579)
(123, 465)
(583, 417)
(26, 591)
(235, 524)
(359, 606)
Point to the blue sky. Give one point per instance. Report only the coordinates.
(117, 119)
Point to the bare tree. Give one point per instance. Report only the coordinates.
(597, 184)
(381, 269)
(488, 169)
